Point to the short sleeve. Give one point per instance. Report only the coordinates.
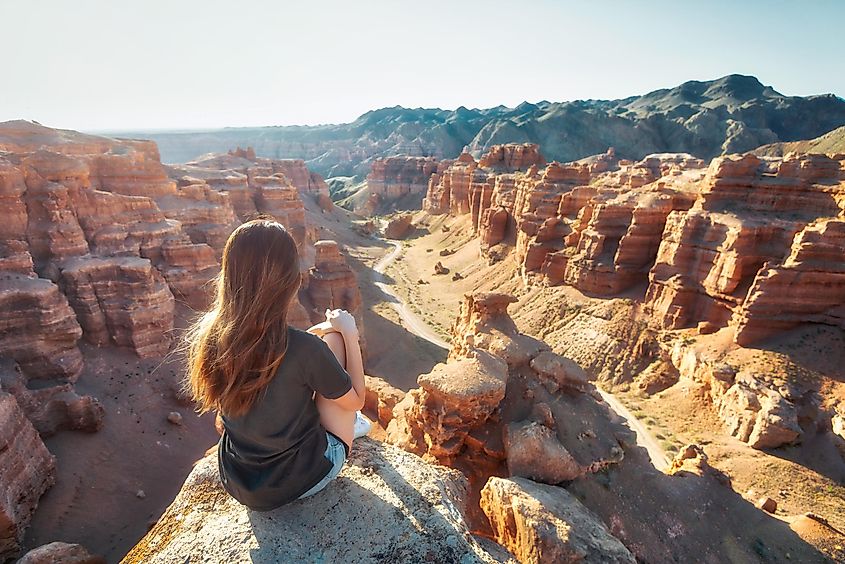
(325, 375)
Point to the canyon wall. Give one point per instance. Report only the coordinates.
(752, 246)
(717, 245)
(556, 474)
(101, 242)
(398, 182)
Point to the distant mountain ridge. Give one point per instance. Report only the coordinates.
(734, 113)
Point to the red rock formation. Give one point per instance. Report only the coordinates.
(27, 470)
(276, 196)
(448, 192)
(716, 246)
(540, 523)
(399, 227)
(452, 400)
(38, 329)
(331, 283)
(122, 300)
(51, 408)
(206, 215)
(751, 217)
(188, 269)
(392, 178)
(381, 399)
(813, 279)
(240, 162)
(512, 156)
(461, 406)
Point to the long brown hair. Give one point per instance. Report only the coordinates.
(235, 348)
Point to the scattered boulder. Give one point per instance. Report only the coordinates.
(457, 276)
(440, 269)
(381, 398)
(534, 451)
(767, 504)
(446, 252)
(399, 227)
(558, 372)
(693, 460)
(60, 553)
(540, 523)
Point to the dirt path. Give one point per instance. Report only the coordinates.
(409, 319)
(419, 327)
(644, 437)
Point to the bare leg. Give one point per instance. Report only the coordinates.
(334, 418)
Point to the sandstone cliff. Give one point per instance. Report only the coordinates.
(579, 488)
(398, 182)
(101, 242)
(27, 470)
(707, 248)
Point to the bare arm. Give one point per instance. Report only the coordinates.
(345, 344)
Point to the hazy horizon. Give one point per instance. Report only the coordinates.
(102, 67)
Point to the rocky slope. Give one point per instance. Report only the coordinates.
(712, 247)
(704, 118)
(101, 244)
(558, 478)
(832, 142)
(386, 506)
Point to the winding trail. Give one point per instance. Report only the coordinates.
(421, 329)
(411, 321)
(644, 437)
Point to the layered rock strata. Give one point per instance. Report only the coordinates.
(579, 488)
(399, 180)
(759, 231)
(102, 223)
(719, 245)
(331, 283)
(27, 470)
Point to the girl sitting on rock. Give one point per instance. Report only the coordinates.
(287, 399)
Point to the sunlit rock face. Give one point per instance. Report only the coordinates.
(398, 181)
(27, 470)
(720, 244)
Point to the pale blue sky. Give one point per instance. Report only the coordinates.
(112, 64)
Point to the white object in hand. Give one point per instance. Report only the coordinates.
(362, 425)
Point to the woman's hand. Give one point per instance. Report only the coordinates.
(343, 322)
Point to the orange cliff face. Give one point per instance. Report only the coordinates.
(399, 179)
(750, 245)
(714, 245)
(540, 446)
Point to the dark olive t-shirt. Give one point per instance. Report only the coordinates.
(275, 452)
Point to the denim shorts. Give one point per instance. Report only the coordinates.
(336, 454)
